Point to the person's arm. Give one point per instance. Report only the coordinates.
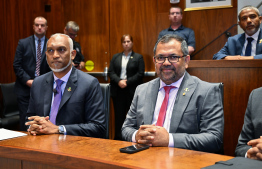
(139, 74)
(114, 78)
(20, 73)
(191, 42)
(211, 125)
(247, 132)
(222, 53)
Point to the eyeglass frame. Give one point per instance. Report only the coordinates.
(178, 57)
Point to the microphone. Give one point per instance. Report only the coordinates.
(55, 91)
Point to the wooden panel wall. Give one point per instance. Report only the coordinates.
(17, 22)
(93, 19)
(102, 23)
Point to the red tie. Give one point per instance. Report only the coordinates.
(162, 112)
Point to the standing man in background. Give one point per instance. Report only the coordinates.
(176, 27)
(71, 30)
(29, 62)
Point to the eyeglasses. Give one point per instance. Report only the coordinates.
(171, 58)
(177, 13)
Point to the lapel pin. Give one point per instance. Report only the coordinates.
(132, 56)
(186, 90)
(69, 89)
(260, 40)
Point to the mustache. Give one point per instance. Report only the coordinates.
(167, 67)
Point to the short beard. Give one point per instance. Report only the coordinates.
(171, 79)
(62, 69)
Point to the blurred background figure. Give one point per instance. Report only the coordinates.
(126, 72)
(71, 30)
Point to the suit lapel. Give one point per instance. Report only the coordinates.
(184, 94)
(32, 44)
(240, 44)
(48, 88)
(151, 100)
(69, 89)
(130, 59)
(259, 44)
(43, 52)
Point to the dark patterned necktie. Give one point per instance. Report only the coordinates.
(38, 61)
(249, 46)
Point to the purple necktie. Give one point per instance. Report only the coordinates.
(56, 102)
(38, 61)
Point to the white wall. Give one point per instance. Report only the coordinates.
(242, 3)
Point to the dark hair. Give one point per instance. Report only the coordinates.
(167, 38)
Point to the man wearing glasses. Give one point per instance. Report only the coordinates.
(176, 27)
(71, 30)
(176, 109)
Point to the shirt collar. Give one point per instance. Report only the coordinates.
(129, 54)
(36, 38)
(254, 36)
(180, 27)
(64, 78)
(176, 84)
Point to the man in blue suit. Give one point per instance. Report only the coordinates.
(247, 45)
(66, 100)
(27, 67)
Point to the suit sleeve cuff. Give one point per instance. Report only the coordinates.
(171, 140)
(134, 137)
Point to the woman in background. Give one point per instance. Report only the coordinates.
(126, 72)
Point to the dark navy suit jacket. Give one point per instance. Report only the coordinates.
(235, 45)
(25, 64)
(81, 107)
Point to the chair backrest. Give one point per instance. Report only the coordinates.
(106, 100)
(221, 87)
(10, 106)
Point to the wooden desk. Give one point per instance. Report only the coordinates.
(57, 151)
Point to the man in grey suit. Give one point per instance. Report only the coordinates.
(250, 139)
(66, 100)
(194, 116)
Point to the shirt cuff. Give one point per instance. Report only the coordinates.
(64, 129)
(134, 137)
(171, 141)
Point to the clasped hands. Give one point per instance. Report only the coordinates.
(41, 125)
(152, 135)
(256, 151)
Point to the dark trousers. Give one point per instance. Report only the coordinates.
(23, 103)
(121, 103)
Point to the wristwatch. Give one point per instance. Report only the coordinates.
(61, 129)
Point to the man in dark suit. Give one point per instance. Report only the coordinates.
(247, 45)
(29, 62)
(126, 72)
(176, 109)
(66, 100)
(250, 139)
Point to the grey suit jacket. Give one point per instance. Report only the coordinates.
(81, 107)
(252, 128)
(197, 121)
